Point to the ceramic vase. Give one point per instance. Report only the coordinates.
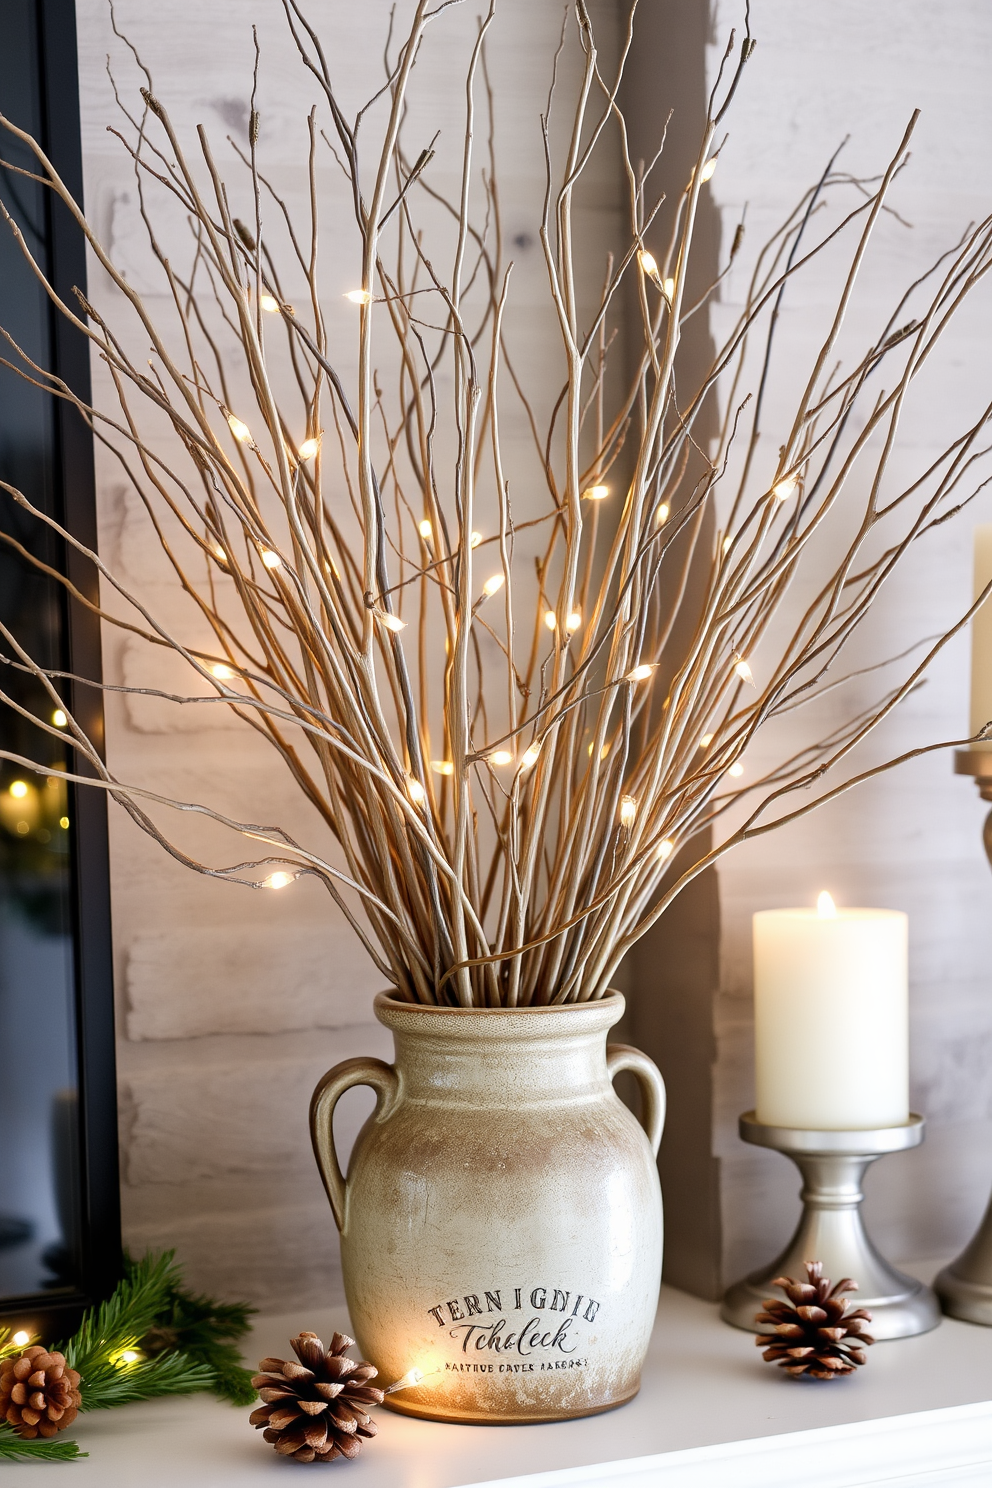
(501, 1224)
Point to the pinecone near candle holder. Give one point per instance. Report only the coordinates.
(813, 1333)
(318, 1408)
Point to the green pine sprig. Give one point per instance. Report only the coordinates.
(150, 1337)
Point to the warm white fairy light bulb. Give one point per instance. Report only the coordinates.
(21, 1338)
(270, 559)
(59, 718)
(474, 539)
(309, 448)
(390, 622)
(666, 848)
(416, 791)
(706, 741)
(640, 673)
(239, 429)
(426, 530)
(597, 493)
(784, 489)
(268, 302)
(628, 811)
(278, 880)
(18, 789)
(825, 906)
(219, 553)
(493, 584)
(662, 514)
(707, 171)
(669, 288)
(573, 622)
(501, 757)
(128, 1356)
(551, 619)
(531, 756)
(737, 770)
(648, 262)
(406, 1381)
(221, 672)
(744, 671)
(360, 296)
(442, 767)
(725, 548)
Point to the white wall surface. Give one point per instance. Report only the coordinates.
(911, 840)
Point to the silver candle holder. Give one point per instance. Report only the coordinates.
(831, 1230)
(965, 1286)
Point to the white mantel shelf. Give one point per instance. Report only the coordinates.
(710, 1414)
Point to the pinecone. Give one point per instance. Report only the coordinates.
(318, 1408)
(815, 1335)
(39, 1393)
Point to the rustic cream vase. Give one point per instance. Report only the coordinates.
(500, 1223)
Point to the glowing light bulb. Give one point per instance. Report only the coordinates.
(21, 1338)
(597, 493)
(707, 171)
(574, 621)
(221, 672)
(628, 811)
(825, 906)
(219, 553)
(360, 296)
(64, 823)
(737, 770)
(662, 514)
(648, 262)
(669, 288)
(270, 559)
(530, 756)
(426, 530)
(475, 539)
(706, 741)
(493, 585)
(501, 757)
(551, 619)
(604, 751)
(278, 880)
(18, 789)
(785, 488)
(442, 767)
(239, 429)
(390, 622)
(406, 1382)
(726, 545)
(309, 448)
(416, 791)
(640, 673)
(129, 1356)
(744, 671)
(666, 848)
(59, 718)
(268, 302)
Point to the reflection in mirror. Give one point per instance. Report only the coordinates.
(39, 1132)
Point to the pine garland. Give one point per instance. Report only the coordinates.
(151, 1337)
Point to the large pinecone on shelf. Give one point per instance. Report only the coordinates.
(318, 1408)
(813, 1333)
(39, 1393)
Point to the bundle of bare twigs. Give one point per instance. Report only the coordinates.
(506, 815)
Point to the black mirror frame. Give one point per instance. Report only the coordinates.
(99, 1180)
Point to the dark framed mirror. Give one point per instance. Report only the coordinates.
(59, 1189)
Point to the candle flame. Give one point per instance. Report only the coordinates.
(825, 907)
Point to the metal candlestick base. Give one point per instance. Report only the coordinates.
(831, 1229)
(965, 1286)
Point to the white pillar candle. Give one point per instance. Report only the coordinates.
(981, 638)
(831, 1018)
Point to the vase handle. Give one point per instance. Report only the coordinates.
(363, 1071)
(648, 1075)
